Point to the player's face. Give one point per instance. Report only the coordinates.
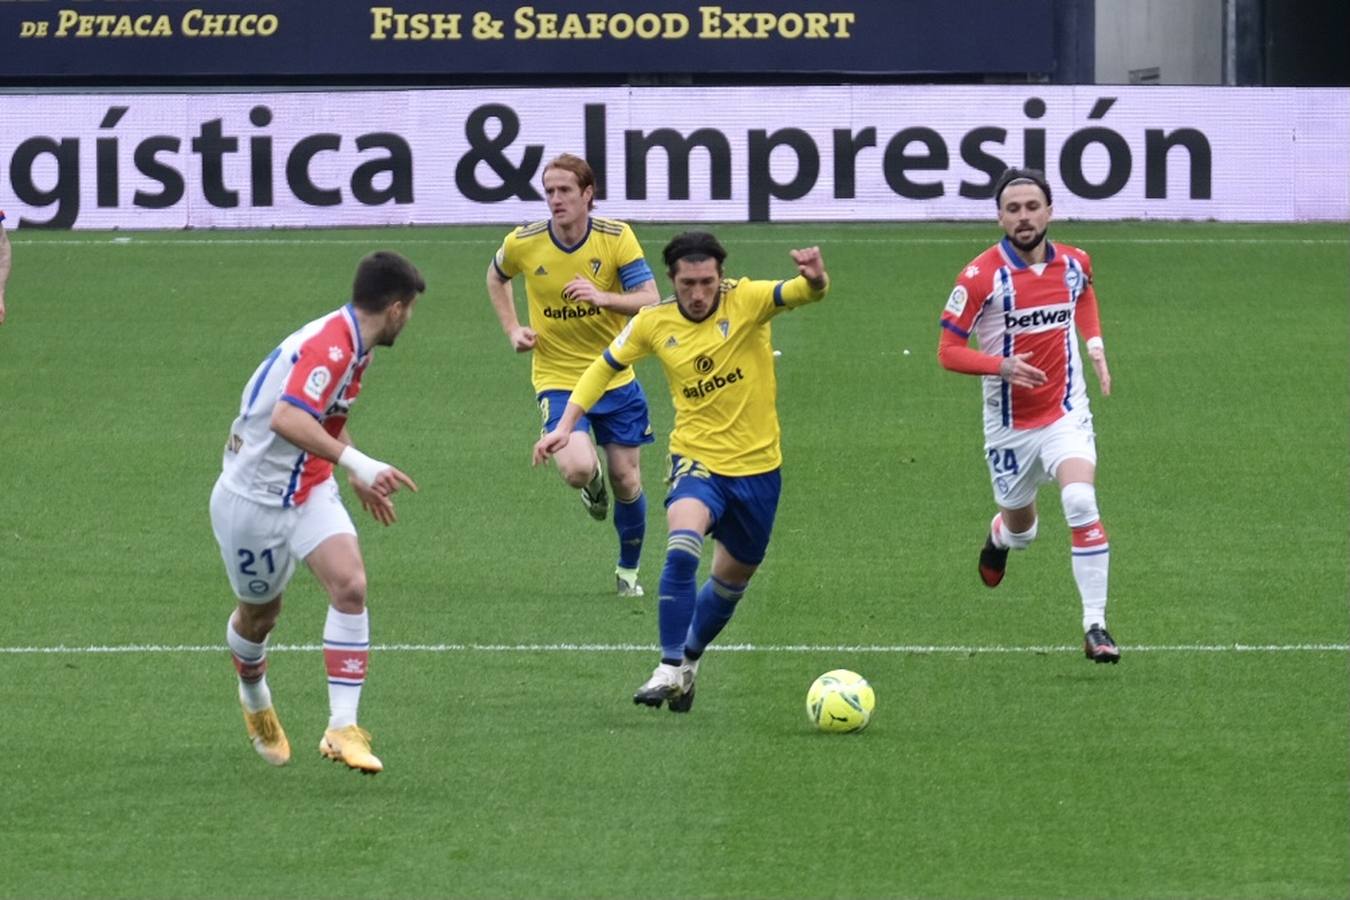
(1024, 215)
(396, 317)
(568, 204)
(697, 285)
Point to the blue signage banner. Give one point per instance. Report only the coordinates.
(75, 40)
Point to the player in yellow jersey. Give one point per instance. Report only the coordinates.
(584, 276)
(713, 341)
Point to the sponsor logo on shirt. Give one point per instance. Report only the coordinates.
(705, 386)
(1045, 318)
(571, 312)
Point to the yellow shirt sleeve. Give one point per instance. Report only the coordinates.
(505, 261)
(793, 293)
(628, 347)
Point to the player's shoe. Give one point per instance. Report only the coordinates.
(688, 672)
(1099, 646)
(993, 562)
(665, 686)
(625, 582)
(264, 730)
(351, 745)
(594, 495)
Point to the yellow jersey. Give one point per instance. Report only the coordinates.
(720, 372)
(570, 334)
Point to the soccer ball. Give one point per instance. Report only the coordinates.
(840, 700)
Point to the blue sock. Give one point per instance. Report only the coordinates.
(630, 521)
(678, 586)
(714, 608)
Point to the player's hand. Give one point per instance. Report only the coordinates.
(550, 444)
(810, 264)
(582, 290)
(390, 480)
(1096, 354)
(372, 501)
(1018, 372)
(522, 339)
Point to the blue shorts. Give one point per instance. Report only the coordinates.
(618, 417)
(742, 506)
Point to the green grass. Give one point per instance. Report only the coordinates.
(528, 773)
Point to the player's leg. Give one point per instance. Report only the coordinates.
(1015, 472)
(630, 515)
(1070, 454)
(742, 533)
(259, 565)
(577, 463)
(1091, 555)
(692, 506)
(622, 426)
(326, 539)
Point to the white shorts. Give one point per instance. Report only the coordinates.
(260, 544)
(1020, 461)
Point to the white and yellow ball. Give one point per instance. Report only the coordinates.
(840, 701)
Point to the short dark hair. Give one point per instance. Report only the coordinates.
(695, 246)
(1013, 176)
(384, 278)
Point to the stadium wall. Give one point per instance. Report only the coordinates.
(196, 159)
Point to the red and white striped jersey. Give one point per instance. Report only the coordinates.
(317, 368)
(1013, 308)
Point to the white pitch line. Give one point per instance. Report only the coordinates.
(929, 649)
(126, 241)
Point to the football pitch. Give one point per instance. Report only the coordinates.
(1211, 762)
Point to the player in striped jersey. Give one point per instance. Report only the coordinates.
(584, 276)
(276, 501)
(713, 341)
(1022, 299)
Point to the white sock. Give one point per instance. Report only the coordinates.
(346, 647)
(1091, 573)
(1091, 566)
(250, 661)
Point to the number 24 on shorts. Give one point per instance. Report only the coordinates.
(1003, 462)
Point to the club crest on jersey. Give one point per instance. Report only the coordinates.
(723, 326)
(1073, 279)
(595, 266)
(316, 382)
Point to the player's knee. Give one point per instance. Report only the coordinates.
(627, 484)
(348, 594)
(1020, 540)
(576, 476)
(1080, 504)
